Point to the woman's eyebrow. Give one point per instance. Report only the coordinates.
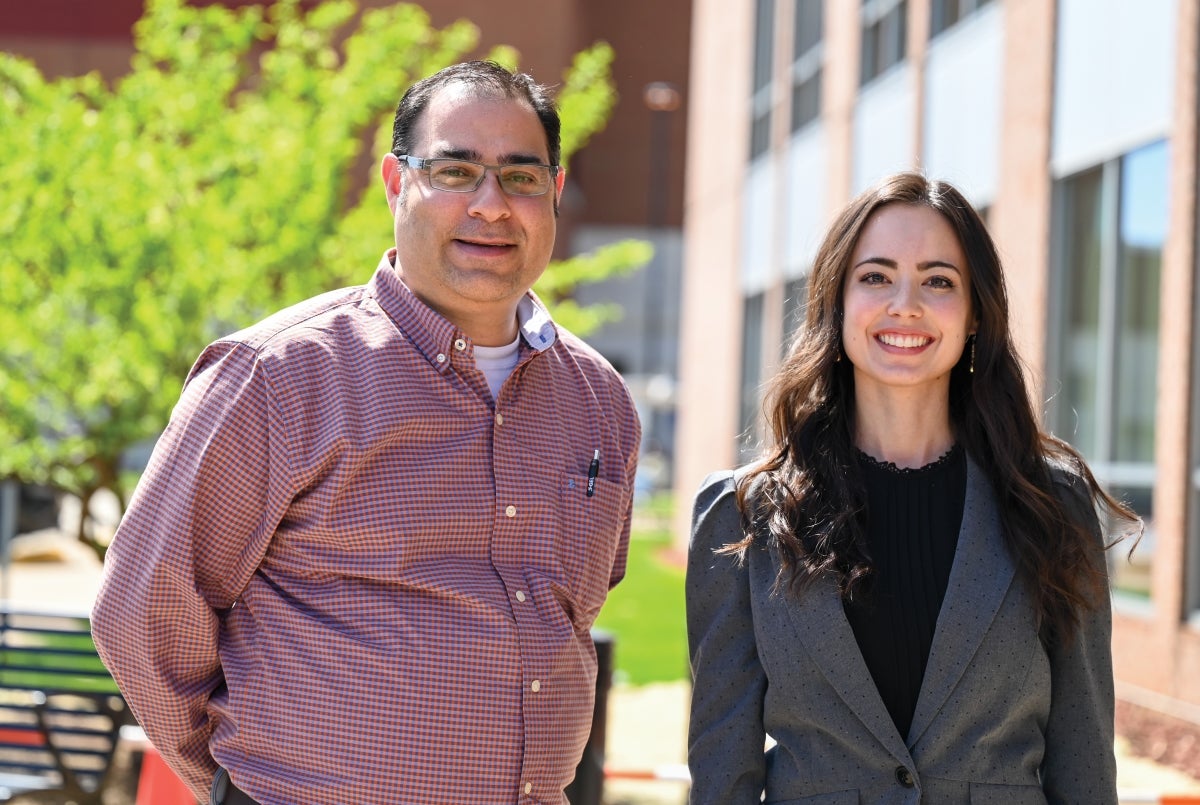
(923, 266)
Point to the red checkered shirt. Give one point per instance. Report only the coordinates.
(349, 576)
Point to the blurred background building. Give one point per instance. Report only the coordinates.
(1073, 126)
(626, 183)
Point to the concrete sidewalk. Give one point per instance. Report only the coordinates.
(647, 725)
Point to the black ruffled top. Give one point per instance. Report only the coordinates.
(913, 520)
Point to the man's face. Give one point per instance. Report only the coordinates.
(472, 256)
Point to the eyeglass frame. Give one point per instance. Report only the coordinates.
(422, 164)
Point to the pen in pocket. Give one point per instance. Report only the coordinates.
(593, 471)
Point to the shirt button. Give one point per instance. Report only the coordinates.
(460, 344)
(528, 787)
(499, 419)
(510, 511)
(535, 686)
(904, 777)
(441, 357)
(520, 596)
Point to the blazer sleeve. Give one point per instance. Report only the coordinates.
(1080, 765)
(726, 735)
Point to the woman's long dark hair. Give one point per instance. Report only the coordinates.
(807, 493)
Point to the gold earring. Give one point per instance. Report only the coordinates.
(972, 367)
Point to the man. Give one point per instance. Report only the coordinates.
(364, 560)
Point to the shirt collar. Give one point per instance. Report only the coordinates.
(535, 323)
(432, 333)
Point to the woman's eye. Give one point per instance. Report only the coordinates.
(873, 278)
(941, 282)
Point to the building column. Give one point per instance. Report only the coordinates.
(711, 311)
(1020, 215)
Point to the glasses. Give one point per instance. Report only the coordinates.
(461, 176)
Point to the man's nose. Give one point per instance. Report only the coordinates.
(489, 201)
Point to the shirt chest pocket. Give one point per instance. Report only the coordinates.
(590, 528)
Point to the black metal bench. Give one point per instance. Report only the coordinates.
(60, 711)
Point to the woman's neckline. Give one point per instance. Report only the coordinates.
(890, 467)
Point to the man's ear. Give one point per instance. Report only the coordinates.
(559, 179)
(393, 179)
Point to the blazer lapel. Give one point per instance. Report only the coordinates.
(979, 580)
(821, 624)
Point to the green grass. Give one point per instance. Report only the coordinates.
(645, 612)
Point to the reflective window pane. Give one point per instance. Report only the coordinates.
(750, 403)
(1111, 228)
(1143, 229)
(1130, 573)
(947, 13)
(807, 57)
(764, 35)
(884, 34)
(1075, 390)
(795, 298)
(760, 92)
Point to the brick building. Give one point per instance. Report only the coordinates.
(1073, 126)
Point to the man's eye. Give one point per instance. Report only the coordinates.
(521, 177)
(455, 172)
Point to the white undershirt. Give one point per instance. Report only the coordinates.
(497, 363)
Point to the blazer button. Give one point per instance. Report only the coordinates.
(904, 777)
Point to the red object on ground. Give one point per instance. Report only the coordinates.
(158, 785)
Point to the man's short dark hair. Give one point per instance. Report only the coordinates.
(483, 75)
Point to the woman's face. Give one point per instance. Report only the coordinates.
(907, 302)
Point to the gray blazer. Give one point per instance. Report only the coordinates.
(999, 720)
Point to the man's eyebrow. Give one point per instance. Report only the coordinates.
(471, 155)
(925, 266)
(459, 153)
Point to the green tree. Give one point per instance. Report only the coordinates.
(218, 180)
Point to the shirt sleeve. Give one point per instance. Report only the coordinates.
(1080, 764)
(726, 735)
(196, 529)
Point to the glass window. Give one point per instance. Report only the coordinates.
(795, 298)
(947, 13)
(1143, 217)
(807, 57)
(760, 98)
(1111, 230)
(884, 33)
(1080, 305)
(750, 402)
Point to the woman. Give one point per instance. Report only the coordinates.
(907, 593)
